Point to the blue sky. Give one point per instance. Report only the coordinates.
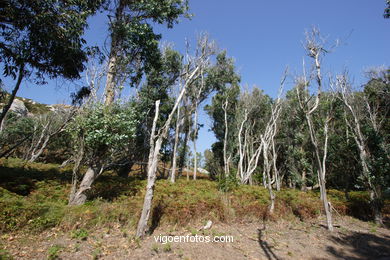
(264, 37)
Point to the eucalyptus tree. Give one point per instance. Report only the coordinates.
(103, 137)
(46, 127)
(367, 118)
(43, 37)
(293, 140)
(159, 85)
(222, 109)
(192, 70)
(314, 47)
(133, 43)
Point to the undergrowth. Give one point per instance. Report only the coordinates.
(33, 197)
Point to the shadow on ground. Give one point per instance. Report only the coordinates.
(267, 249)
(361, 246)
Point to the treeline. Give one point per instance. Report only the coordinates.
(322, 133)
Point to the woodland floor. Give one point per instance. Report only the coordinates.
(352, 239)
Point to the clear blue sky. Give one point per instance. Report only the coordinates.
(264, 37)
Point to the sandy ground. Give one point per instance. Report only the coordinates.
(352, 239)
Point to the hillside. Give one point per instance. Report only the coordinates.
(36, 221)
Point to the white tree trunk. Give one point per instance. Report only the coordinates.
(80, 197)
(225, 159)
(177, 132)
(153, 157)
(195, 133)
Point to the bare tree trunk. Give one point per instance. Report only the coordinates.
(12, 97)
(177, 132)
(112, 62)
(267, 176)
(35, 155)
(80, 196)
(183, 153)
(274, 158)
(188, 172)
(241, 148)
(153, 158)
(225, 159)
(355, 126)
(195, 133)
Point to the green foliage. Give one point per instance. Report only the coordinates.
(104, 132)
(227, 183)
(46, 35)
(54, 251)
(387, 10)
(81, 234)
(134, 44)
(4, 255)
(18, 130)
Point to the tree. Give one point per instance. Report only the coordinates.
(192, 71)
(46, 127)
(222, 108)
(367, 119)
(43, 37)
(387, 10)
(315, 49)
(103, 137)
(134, 44)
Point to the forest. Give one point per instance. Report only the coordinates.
(98, 177)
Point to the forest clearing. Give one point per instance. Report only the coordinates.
(126, 132)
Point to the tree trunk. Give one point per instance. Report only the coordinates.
(35, 155)
(183, 153)
(12, 97)
(147, 206)
(110, 81)
(109, 91)
(79, 197)
(225, 159)
(195, 133)
(321, 164)
(303, 180)
(177, 132)
(188, 172)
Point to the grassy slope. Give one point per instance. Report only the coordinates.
(33, 197)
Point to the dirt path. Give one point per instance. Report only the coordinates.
(352, 239)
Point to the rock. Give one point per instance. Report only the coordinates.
(207, 226)
(204, 171)
(19, 108)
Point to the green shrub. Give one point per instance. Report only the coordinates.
(81, 234)
(54, 251)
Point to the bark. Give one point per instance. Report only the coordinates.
(183, 152)
(12, 97)
(267, 176)
(195, 133)
(80, 196)
(153, 158)
(35, 155)
(225, 159)
(109, 91)
(110, 81)
(174, 159)
(188, 172)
